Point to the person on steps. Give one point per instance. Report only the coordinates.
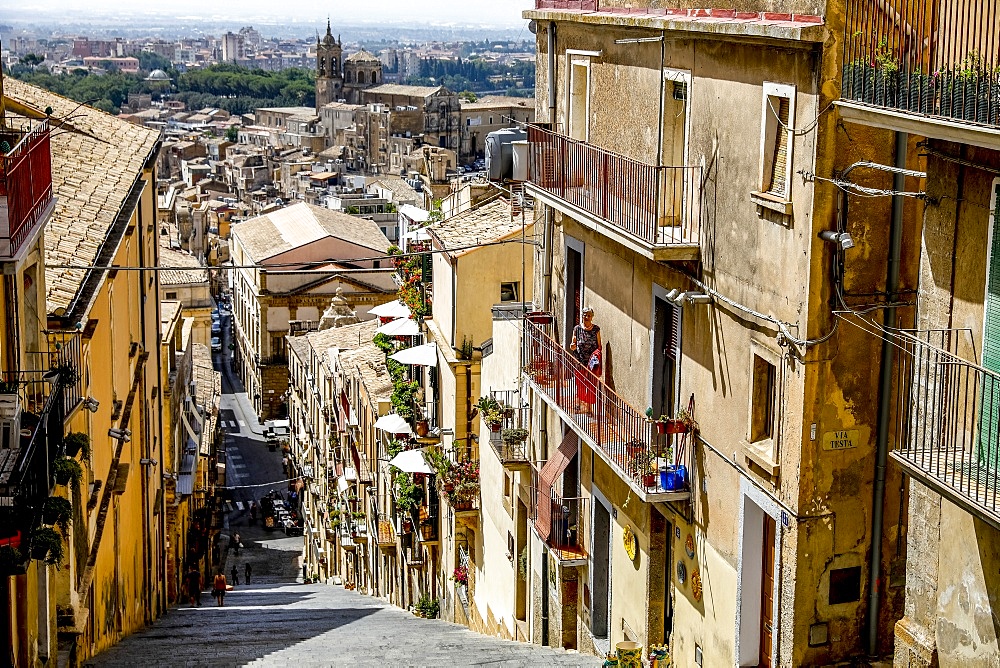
(219, 587)
(247, 570)
(194, 586)
(235, 574)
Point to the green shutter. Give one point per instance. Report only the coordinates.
(989, 416)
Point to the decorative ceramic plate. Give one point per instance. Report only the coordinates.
(689, 546)
(628, 538)
(682, 572)
(696, 584)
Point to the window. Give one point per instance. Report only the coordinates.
(762, 400)
(845, 585)
(776, 140)
(579, 98)
(509, 292)
(171, 295)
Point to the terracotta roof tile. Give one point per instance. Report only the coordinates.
(91, 180)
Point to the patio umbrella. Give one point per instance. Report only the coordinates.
(425, 355)
(393, 309)
(399, 327)
(411, 461)
(393, 424)
(418, 235)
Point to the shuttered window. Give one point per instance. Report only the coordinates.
(673, 347)
(777, 173)
(989, 416)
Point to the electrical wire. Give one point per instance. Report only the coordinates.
(807, 129)
(303, 267)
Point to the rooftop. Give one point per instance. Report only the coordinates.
(294, 111)
(486, 223)
(277, 232)
(499, 102)
(92, 179)
(362, 56)
(401, 89)
(348, 337)
(175, 258)
(368, 363)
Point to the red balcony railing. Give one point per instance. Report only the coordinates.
(927, 57)
(620, 431)
(25, 183)
(657, 205)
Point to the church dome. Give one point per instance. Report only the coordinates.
(363, 56)
(158, 75)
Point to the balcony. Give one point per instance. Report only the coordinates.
(25, 186)
(617, 431)
(512, 453)
(947, 433)
(922, 60)
(655, 211)
(559, 522)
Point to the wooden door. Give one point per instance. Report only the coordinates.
(767, 594)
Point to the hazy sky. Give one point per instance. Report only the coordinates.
(496, 12)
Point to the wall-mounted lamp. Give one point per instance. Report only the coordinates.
(120, 434)
(842, 239)
(147, 461)
(679, 298)
(91, 404)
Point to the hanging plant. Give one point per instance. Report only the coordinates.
(11, 560)
(77, 442)
(57, 511)
(67, 471)
(47, 545)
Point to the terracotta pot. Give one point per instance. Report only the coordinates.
(421, 427)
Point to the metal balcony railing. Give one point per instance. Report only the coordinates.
(25, 460)
(560, 521)
(656, 205)
(947, 414)
(25, 183)
(511, 452)
(622, 433)
(927, 57)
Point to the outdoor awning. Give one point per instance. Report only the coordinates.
(399, 327)
(393, 424)
(418, 235)
(411, 461)
(425, 355)
(185, 477)
(554, 467)
(393, 309)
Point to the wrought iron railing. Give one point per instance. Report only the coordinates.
(928, 57)
(947, 420)
(518, 416)
(25, 471)
(620, 431)
(25, 182)
(657, 205)
(560, 521)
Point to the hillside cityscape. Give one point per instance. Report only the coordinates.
(621, 333)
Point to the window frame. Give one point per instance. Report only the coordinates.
(578, 58)
(769, 127)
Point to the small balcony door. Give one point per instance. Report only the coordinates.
(988, 452)
(666, 355)
(579, 98)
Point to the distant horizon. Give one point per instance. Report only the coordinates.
(458, 13)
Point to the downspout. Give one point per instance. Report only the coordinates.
(144, 417)
(885, 399)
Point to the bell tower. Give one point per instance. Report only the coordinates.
(329, 69)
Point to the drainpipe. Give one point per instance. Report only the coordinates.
(885, 399)
(552, 72)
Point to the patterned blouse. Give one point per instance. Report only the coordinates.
(586, 342)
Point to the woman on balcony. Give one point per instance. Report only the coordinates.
(586, 346)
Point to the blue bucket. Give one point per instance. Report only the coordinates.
(673, 478)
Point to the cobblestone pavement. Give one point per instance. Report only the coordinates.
(277, 623)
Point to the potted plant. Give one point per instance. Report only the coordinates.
(68, 375)
(47, 545)
(57, 511)
(77, 442)
(11, 560)
(427, 531)
(421, 427)
(461, 575)
(67, 471)
(642, 465)
(515, 436)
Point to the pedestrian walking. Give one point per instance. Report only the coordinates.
(194, 586)
(219, 587)
(247, 570)
(253, 513)
(235, 575)
(236, 543)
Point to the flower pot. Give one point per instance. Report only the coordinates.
(539, 318)
(629, 654)
(673, 478)
(496, 427)
(421, 427)
(649, 480)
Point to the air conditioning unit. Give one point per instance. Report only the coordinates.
(10, 421)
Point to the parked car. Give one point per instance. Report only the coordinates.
(216, 329)
(216, 344)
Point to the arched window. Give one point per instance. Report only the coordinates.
(375, 76)
(348, 77)
(361, 77)
(322, 66)
(333, 66)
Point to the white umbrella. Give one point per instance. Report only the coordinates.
(425, 355)
(399, 327)
(393, 424)
(393, 309)
(411, 461)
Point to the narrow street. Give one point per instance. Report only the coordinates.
(278, 621)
